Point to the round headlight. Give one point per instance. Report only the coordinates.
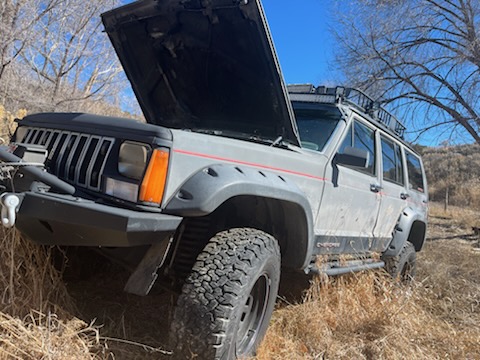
(132, 159)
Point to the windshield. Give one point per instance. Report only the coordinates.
(316, 123)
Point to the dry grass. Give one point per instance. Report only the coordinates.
(40, 336)
(363, 316)
(27, 278)
(35, 308)
(458, 217)
(367, 316)
(7, 123)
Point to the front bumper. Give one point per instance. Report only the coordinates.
(55, 219)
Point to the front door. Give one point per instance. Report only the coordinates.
(351, 198)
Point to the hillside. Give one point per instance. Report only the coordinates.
(456, 168)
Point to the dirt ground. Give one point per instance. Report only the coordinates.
(136, 327)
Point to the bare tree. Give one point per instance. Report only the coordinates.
(71, 57)
(420, 56)
(17, 18)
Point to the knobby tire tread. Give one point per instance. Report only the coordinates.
(204, 319)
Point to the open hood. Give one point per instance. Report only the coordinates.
(203, 64)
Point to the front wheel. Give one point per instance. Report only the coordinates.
(228, 299)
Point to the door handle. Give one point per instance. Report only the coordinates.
(404, 196)
(375, 188)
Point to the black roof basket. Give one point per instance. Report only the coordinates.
(355, 97)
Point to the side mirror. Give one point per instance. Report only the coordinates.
(353, 157)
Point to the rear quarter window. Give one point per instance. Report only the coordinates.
(415, 175)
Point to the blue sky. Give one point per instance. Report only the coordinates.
(303, 40)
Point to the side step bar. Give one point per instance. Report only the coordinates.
(335, 268)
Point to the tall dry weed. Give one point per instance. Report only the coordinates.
(36, 320)
(28, 279)
(450, 274)
(368, 316)
(40, 336)
(7, 122)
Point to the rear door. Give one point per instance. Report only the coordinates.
(394, 192)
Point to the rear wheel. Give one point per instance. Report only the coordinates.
(228, 299)
(403, 266)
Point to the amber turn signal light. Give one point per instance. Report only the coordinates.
(153, 184)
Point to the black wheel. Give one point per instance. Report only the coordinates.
(228, 299)
(403, 266)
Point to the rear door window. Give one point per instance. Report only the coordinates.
(415, 177)
(392, 161)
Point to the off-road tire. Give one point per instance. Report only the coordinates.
(403, 266)
(231, 290)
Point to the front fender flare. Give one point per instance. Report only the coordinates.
(209, 188)
(206, 190)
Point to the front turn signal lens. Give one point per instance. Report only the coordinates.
(153, 184)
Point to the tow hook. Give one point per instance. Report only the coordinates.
(9, 203)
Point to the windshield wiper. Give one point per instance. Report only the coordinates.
(278, 142)
(208, 131)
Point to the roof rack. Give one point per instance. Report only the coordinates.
(355, 97)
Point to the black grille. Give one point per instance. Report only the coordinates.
(75, 157)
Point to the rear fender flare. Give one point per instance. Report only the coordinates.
(402, 231)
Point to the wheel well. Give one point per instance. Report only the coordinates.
(417, 234)
(286, 221)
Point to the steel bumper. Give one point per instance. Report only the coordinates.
(55, 219)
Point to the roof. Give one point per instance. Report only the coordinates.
(350, 96)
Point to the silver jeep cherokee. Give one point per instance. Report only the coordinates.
(234, 177)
